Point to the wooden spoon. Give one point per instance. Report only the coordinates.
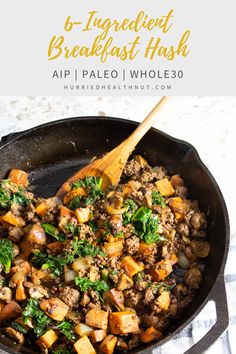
(110, 166)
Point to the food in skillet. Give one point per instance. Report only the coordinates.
(102, 272)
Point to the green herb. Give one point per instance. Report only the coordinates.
(75, 203)
(20, 198)
(52, 262)
(7, 197)
(32, 313)
(66, 328)
(85, 284)
(104, 274)
(62, 350)
(138, 277)
(93, 226)
(119, 234)
(157, 199)
(114, 272)
(83, 248)
(6, 254)
(72, 228)
(146, 225)
(131, 208)
(54, 232)
(161, 285)
(56, 263)
(93, 186)
(18, 327)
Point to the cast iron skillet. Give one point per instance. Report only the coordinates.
(53, 151)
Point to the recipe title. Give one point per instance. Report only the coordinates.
(105, 45)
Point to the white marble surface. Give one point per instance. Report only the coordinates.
(206, 122)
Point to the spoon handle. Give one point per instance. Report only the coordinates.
(142, 129)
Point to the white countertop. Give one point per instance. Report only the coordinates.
(208, 123)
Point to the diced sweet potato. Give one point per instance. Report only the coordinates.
(83, 215)
(83, 330)
(164, 187)
(164, 300)
(123, 322)
(173, 258)
(176, 181)
(74, 193)
(97, 318)
(19, 177)
(145, 249)
(54, 308)
(10, 218)
(108, 344)
(114, 249)
(64, 211)
(36, 235)
(47, 339)
(161, 270)
(179, 205)
(41, 209)
(125, 282)
(97, 335)
(115, 297)
(150, 334)
(130, 266)
(84, 346)
(10, 311)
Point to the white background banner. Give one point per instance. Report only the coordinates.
(27, 28)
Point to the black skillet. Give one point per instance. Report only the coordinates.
(54, 151)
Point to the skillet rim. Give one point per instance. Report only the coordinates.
(8, 139)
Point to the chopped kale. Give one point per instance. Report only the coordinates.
(6, 254)
(85, 284)
(131, 208)
(75, 203)
(67, 328)
(146, 225)
(157, 199)
(93, 186)
(18, 327)
(54, 232)
(33, 313)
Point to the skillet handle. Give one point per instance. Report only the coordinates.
(218, 295)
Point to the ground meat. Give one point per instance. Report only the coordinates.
(149, 296)
(134, 341)
(131, 168)
(29, 213)
(150, 320)
(148, 175)
(198, 221)
(131, 245)
(15, 233)
(17, 209)
(160, 172)
(86, 232)
(183, 229)
(69, 296)
(132, 298)
(166, 216)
